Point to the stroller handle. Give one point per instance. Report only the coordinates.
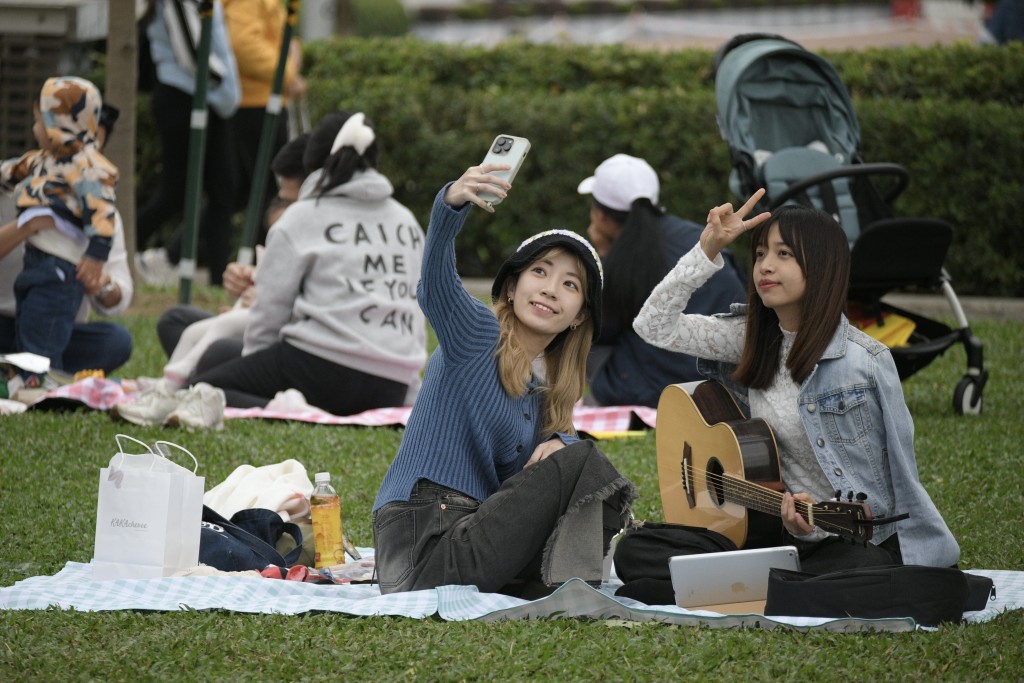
(902, 178)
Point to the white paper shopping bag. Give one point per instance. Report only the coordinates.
(148, 514)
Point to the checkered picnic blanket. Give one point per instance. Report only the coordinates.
(101, 394)
(73, 588)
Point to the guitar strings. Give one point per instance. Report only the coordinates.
(765, 500)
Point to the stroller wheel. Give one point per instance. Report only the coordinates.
(967, 397)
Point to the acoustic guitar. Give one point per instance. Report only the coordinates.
(719, 469)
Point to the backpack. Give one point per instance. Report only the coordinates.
(643, 551)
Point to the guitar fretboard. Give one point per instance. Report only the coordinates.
(760, 499)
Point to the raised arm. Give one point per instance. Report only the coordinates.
(449, 308)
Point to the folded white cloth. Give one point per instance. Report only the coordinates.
(292, 401)
(284, 488)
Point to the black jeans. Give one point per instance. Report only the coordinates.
(246, 131)
(641, 558)
(442, 537)
(252, 381)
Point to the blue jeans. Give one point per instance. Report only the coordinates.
(99, 345)
(442, 537)
(48, 297)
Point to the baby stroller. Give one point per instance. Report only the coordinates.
(791, 129)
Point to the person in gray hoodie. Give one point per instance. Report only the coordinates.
(335, 314)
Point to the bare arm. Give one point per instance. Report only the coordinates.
(11, 235)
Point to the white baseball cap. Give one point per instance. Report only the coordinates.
(621, 180)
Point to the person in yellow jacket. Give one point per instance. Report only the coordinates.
(256, 28)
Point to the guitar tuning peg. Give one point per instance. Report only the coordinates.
(839, 494)
(861, 497)
(849, 496)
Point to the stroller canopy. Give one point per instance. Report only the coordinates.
(773, 94)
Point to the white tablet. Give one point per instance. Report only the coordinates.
(714, 580)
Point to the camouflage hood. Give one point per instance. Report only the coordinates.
(70, 109)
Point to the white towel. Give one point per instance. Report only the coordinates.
(284, 488)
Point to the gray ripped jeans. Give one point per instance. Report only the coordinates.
(548, 523)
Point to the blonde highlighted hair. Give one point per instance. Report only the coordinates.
(565, 359)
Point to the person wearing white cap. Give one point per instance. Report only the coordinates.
(639, 243)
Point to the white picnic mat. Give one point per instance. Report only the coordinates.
(73, 588)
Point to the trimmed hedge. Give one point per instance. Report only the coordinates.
(953, 116)
(962, 71)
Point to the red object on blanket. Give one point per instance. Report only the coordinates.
(297, 573)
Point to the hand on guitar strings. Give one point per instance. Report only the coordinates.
(724, 225)
(793, 520)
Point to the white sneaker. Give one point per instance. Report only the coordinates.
(200, 407)
(151, 407)
(154, 266)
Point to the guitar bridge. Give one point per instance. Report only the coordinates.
(686, 465)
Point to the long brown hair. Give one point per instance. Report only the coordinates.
(565, 358)
(821, 249)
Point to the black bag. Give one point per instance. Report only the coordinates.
(642, 554)
(247, 541)
(928, 595)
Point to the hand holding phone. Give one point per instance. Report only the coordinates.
(506, 149)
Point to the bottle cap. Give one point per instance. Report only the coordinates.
(322, 476)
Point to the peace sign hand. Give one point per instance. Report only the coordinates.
(724, 225)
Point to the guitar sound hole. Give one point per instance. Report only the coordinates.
(715, 483)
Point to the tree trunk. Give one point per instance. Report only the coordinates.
(122, 77)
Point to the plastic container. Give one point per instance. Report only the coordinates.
(325, 506)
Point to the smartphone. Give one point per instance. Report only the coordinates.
(506, 149)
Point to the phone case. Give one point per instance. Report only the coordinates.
(506, 149)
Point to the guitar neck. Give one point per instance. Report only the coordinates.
(756, 497)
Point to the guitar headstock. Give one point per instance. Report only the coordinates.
(849, 520)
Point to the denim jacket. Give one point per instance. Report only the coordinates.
(858, 423)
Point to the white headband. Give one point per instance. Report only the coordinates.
(355, 134)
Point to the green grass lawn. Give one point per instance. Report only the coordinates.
(50, 462)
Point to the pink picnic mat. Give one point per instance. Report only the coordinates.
(101, 394)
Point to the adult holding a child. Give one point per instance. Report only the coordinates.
(65, 254)
(491, 486)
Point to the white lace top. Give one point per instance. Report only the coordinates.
(663, 323)
(778, 406)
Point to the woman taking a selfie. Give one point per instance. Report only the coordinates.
(491, 486)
